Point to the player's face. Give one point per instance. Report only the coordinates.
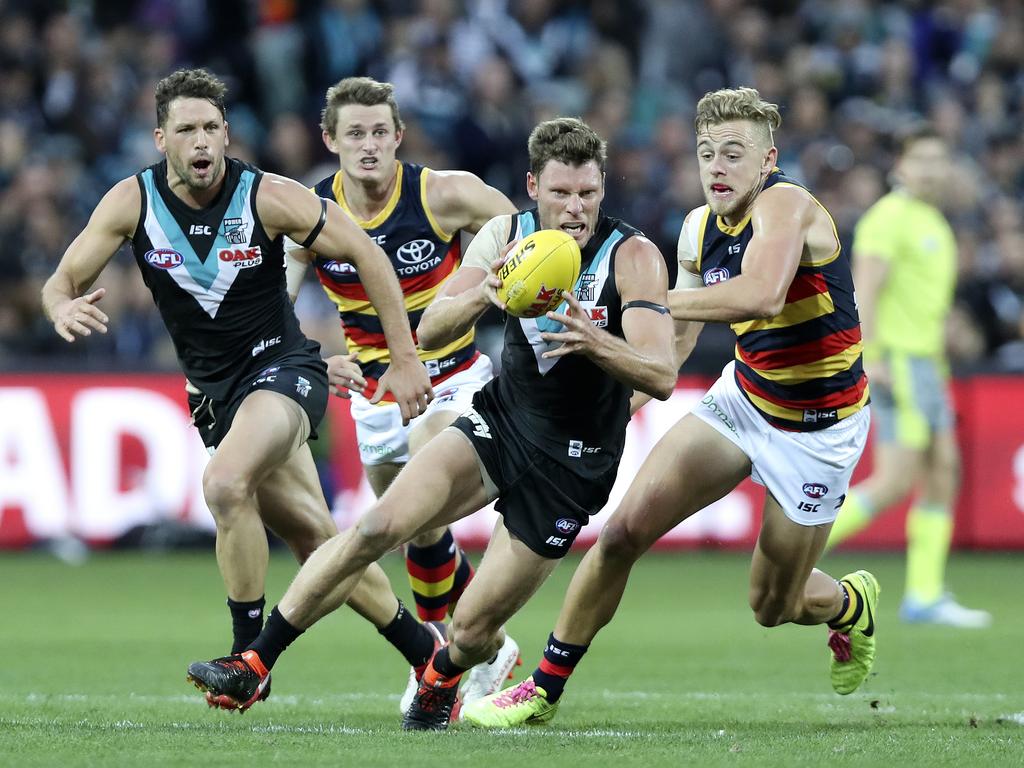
(734, 159)
(568, 197)
(366, 142)
(924, 169)
(194, 139)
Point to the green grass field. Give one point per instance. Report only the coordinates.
(95, 657)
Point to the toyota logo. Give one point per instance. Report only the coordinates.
(415, 251)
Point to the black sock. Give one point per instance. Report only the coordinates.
(246, 622)
(560, 659)
(444, 665)
(412, 639)
(277, 635)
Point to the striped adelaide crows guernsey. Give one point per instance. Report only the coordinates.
(423, 256)
(802, 368)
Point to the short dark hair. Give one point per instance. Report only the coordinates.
(364, 91)
(568, 140)
(188, 84)
(909, 136)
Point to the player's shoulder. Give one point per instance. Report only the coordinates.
(450, 190)
(121, 205)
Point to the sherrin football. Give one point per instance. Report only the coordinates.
(537, 270)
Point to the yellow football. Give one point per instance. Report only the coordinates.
(537, 270)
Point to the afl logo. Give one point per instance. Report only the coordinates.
(163, 258)
(415, 251)
(565, 525)
(815, 490)
(716, 275)
(338, 267)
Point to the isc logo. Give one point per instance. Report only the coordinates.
(199, 229)
(163, 258)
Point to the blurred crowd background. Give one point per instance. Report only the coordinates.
(472, 78)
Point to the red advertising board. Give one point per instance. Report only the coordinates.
(96, 455)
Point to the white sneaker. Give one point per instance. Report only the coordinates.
(946, 611)
(437, 629)
(485, 679)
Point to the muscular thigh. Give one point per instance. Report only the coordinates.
(440, 485)
(692, 466)
(266, 430)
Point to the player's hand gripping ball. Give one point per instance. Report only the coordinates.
(536, 271)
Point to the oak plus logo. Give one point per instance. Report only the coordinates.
(416, 257)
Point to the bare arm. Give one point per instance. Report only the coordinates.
(645, 358)
(869, 276)
(470, 291)
(461, 200)
(781, 218)
(686, 331)
(286, 207)
(65, 296)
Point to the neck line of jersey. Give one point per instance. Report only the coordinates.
(389, 207)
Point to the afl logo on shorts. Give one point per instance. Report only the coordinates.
(815, 490)
(716, 275)
(415, 251)
(566, 525)
(163, 258)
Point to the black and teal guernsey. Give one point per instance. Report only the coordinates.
(217, 279)
(802, 368)
(568, 407)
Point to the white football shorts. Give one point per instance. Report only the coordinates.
(808, 473)
(382, 438)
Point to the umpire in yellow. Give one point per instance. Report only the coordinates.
(904, 269)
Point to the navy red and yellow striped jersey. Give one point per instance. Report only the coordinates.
(423, 255)
(802, 368)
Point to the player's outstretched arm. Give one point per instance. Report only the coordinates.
(286, 207)
(781, 217)
(645, 358)
(470, 291)
(66, 299)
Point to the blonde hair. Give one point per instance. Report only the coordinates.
(737, 104)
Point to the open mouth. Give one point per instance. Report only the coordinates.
(202, 166)
(368, 163)
(720, 189)
(574, 228)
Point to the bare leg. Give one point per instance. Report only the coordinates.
(267, 429)
(690, 467)
(437, 487)
(509, 574)
(292, 505)
(784, 584)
